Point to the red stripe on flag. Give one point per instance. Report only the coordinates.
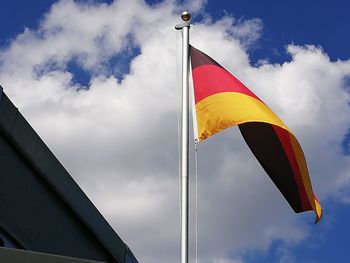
(284, 137)
(210, 79)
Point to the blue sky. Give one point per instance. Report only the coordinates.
(324, 24)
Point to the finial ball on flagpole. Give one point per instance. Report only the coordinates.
(185, 16)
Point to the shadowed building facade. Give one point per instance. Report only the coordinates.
(42, 209)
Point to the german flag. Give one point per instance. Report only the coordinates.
(223, 101)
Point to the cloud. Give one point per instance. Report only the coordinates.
(227, 261)
(117, 136)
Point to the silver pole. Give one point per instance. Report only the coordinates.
(185, 27)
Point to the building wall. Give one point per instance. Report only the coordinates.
(36, 217)
(22, 256)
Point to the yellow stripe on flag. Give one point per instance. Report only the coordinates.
(300, 157)
(223, 110)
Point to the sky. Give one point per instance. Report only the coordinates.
(100, 83)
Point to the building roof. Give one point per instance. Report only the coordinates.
(41, 207)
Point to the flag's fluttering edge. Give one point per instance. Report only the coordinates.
(222, 101)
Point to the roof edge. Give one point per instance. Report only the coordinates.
(19, 132)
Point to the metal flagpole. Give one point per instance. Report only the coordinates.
(185, 27)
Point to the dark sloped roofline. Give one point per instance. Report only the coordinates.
(23, 137)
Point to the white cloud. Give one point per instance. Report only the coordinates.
(227, 261)
(119, 139)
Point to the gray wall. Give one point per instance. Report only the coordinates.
(21, 256)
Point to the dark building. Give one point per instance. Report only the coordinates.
(42, 209)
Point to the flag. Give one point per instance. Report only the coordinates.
(222, 101)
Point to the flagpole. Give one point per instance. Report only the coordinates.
(185, 27)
